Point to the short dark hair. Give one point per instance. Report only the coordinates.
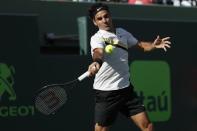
(95, 8)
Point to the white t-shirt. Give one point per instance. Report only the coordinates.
(114, 72)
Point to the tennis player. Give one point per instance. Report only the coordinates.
(113, 90)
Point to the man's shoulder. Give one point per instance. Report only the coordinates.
(121, 30)
(96, 34)
(96, 37)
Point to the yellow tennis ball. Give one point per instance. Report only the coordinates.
(109, 49)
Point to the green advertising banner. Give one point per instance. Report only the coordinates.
(151, 80)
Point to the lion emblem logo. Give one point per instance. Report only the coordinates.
(7, 81)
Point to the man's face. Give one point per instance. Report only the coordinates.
(103, 20)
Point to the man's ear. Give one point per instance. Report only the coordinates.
(94, 22)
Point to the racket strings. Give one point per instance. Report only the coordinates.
(50, 99)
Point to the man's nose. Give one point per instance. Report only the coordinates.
(104, 20)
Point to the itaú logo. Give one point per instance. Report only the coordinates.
(151, 80)
(7, 93)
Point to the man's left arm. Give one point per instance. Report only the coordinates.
(158, 43)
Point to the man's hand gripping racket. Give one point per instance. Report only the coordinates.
(52, 97)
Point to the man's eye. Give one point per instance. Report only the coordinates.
(99, 18)
(106, 16)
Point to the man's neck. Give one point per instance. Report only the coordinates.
(112, 30)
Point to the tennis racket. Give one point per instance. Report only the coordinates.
(50, 98)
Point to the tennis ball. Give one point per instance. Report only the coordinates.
(109, 49)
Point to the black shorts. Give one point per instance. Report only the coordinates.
(110, 103)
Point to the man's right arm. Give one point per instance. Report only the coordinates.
(97, 61)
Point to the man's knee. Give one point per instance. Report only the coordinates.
(101, 128)
(148, 127)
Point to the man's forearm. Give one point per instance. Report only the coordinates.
(146, 46)
(98, 56)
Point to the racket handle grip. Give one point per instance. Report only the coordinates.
(83, 76)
